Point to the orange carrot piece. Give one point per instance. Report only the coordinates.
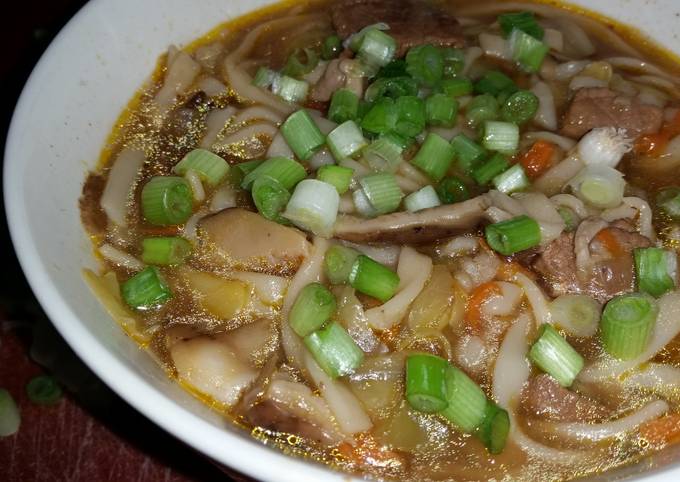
(473, 308)
(651, 144)
(607, 238)
(655, 144)
(538, 159)
(662, 431)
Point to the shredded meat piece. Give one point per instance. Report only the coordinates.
(609, 277)
(601, 107)
(333, 78)
(411, 22)
(546, 399)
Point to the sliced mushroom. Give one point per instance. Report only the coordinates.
(414, 228)
(245, 240)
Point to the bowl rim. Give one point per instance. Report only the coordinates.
(244, 454)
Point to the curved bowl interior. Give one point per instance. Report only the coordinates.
(62, 120)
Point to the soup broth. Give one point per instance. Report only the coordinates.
(410, 240)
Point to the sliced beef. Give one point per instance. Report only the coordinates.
(609, 277)
(546, 399)
(601, 107)
(411, 22)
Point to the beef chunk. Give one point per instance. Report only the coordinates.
(412, 22)
(546, 399)
(609, 277)
(601, 107)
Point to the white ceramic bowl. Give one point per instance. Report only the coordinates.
(61, 122)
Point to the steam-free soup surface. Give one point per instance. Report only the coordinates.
(410, 240)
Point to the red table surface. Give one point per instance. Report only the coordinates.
(65, 442)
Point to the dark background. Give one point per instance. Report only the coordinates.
(91, 434)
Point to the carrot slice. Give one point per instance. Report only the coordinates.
(607, 238)
(473, 308)
(538, 159)
(655, 144)
(662, 431)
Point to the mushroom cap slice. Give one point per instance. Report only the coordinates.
(420, 227)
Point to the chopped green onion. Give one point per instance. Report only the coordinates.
(382, 191)
(494, 430)
(382, 117)
(295, 67)
(434, 157)
(313, 307)
(302, 134)
(338, 176)
(344, 106)
(524, 21)
(147, 289)
(383, 154)
(452, 190)
(441, 110)
(270, 197)
(290, 89)
(345, 140)
(520, 107)
(165, 250)
(426, 382)
(655, 269)
(494, 82)
(466, 401)
(247, 167)
(410, 116)
(454, 62)
(334, 350)
(286, 171)
(354, 41)
(167, 200)
(669, 201)
(373, 279)
(456, 87)
(555, 356)
(627, 323)
(578, 315)
(265, 77)
(362, 204)
(485, 173)
(569, 218)
(44, 390)
(331, 47)
(502, 137)
(10, 417)
(396, 68)
(599, 185)
(512, 180)
(467, 153)
(377, 48)
(425, 64)
(209, 166)
(393, 87)
(527, 51)
(481, 109)
(338, 263)
(423, 198)
(313, 206)
(514, 235)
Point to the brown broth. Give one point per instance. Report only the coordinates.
(443, 454)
